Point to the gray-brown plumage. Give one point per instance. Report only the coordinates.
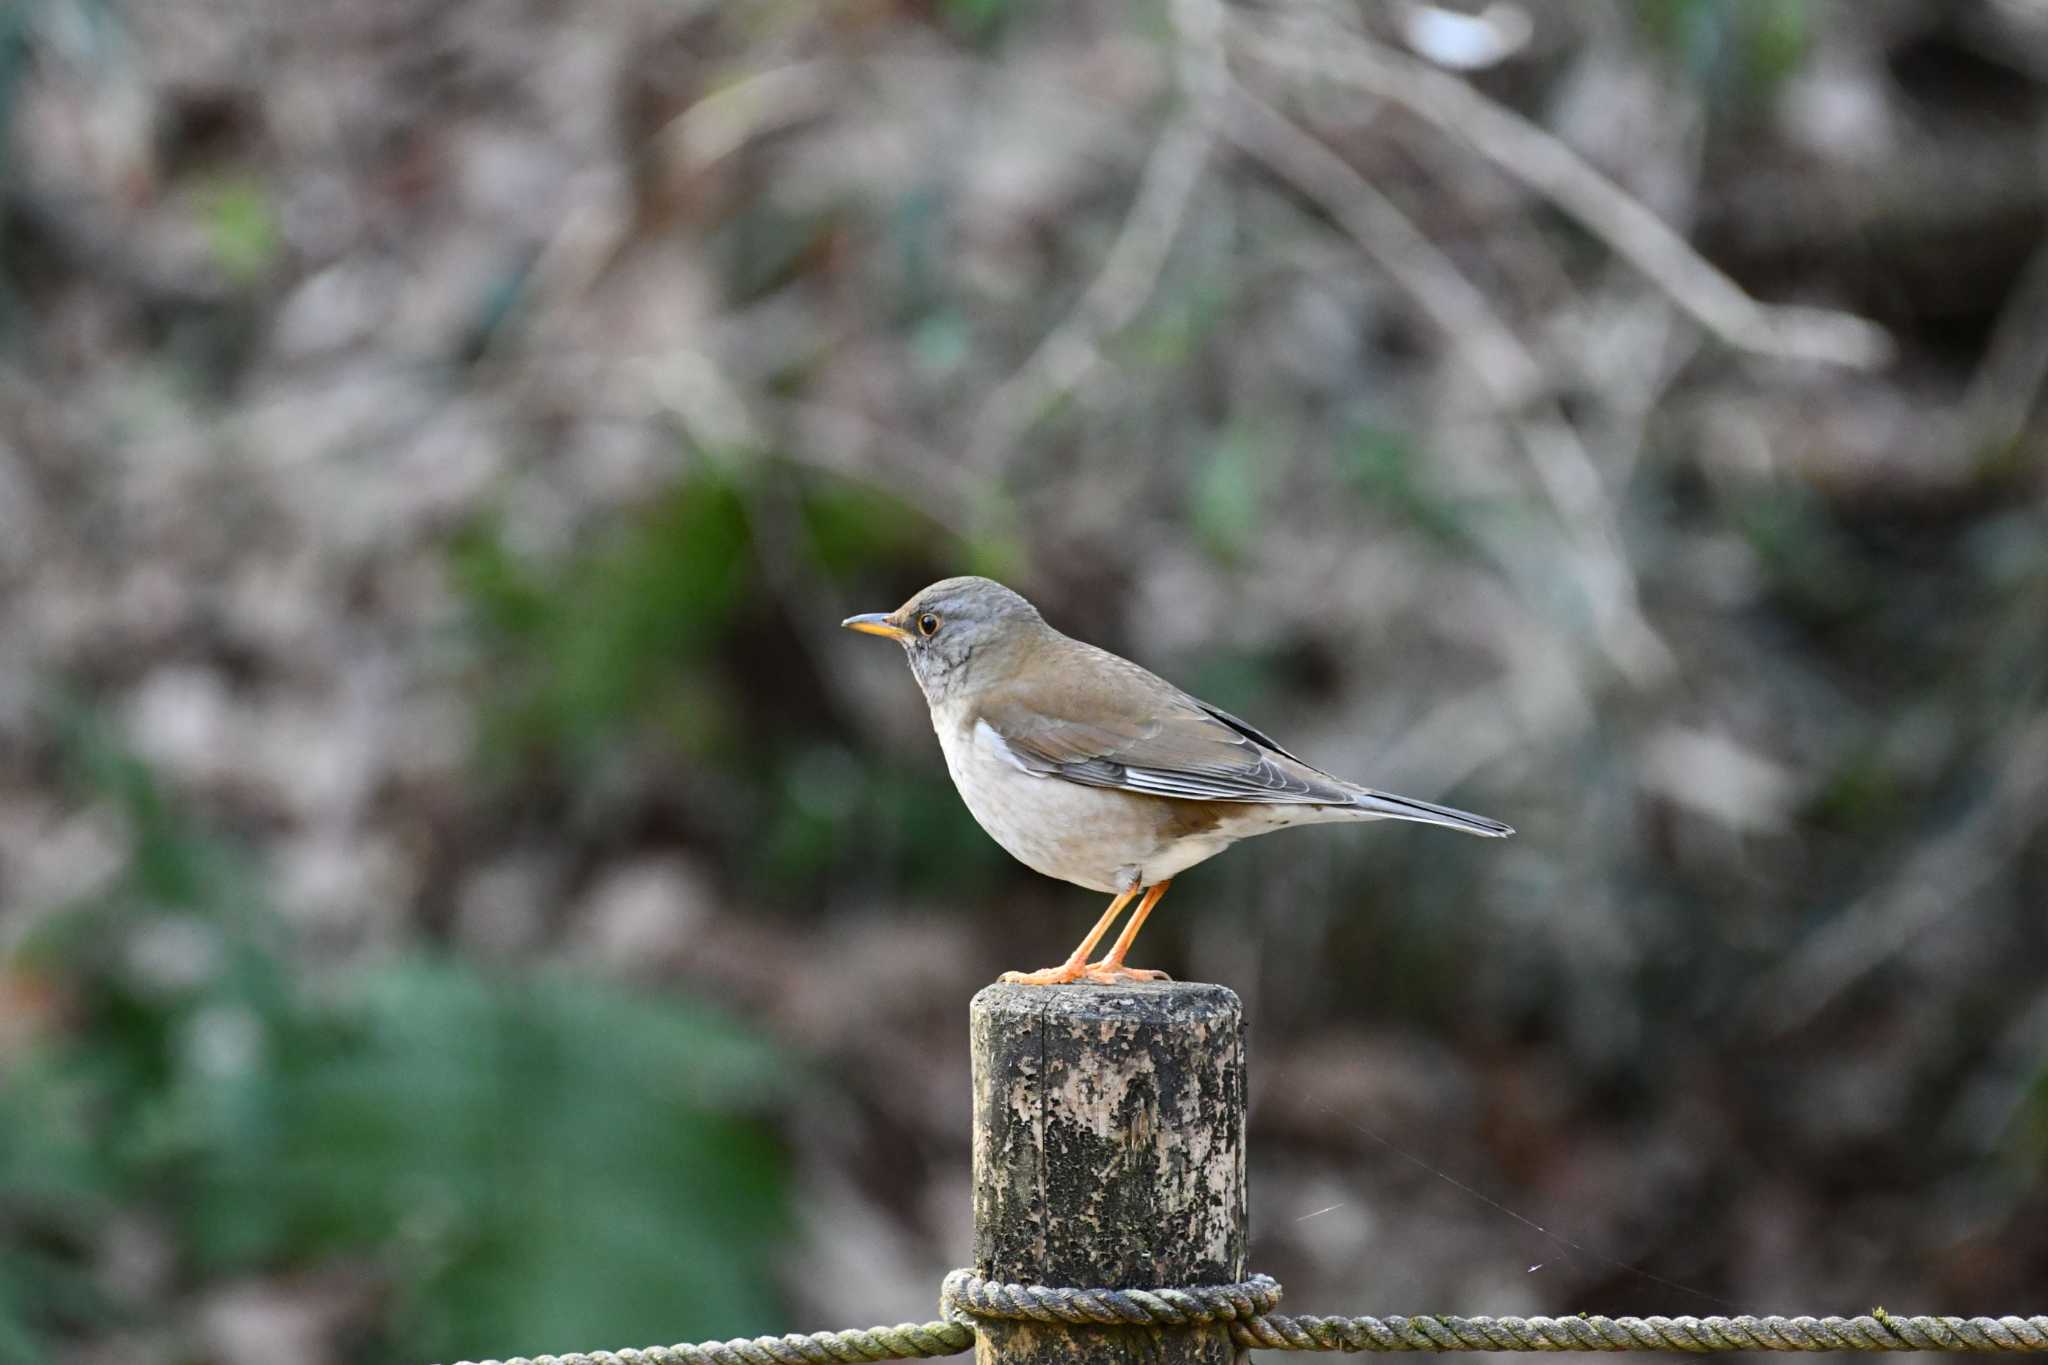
(1088, 768)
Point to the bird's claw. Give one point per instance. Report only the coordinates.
(1049, 976)
(1116, 974)
(1095, 973)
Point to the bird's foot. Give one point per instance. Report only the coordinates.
(1098, 973)
(1116, 974)
(1049, 976)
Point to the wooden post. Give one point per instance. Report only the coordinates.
(1108, 1152)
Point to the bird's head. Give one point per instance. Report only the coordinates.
(954, 630)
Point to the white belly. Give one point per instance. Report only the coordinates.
(1095, 837)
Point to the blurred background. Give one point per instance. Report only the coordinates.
(464, 895)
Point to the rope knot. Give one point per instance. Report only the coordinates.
(966, 1297)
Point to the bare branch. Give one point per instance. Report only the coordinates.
(1547, 165)
(1489, 348)
(730, 117)
(2015, 366)
(1941, 877)
(1511, 376)
(1073, 348)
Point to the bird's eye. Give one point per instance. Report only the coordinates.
(927, 625)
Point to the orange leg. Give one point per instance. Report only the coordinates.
(1077, 961)
(1112, 968)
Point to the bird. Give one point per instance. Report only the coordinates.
(1093, 770)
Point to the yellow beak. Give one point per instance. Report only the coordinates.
(875, 623)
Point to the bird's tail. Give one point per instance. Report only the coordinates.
(1387, 806)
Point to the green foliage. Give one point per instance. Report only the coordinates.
(1235, 679)
(851, 529)
(549, 1163)
(1225, 496)
(2032, 1136)
(1863, 792)
(998, 555)
(51, 1196)
(1382, 466)
(977, 21)
(1811, 565)
(941, 343)
(627, 643)
(1737, 48)
(529, 1164)
(618, 639)
(581, 651)
(843, 814)
(1169, 333)
(242, 228)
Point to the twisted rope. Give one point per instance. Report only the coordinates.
(967, 1298)
(905, 1341)
(1872, 1332)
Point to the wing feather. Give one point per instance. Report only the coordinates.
(1132, 730)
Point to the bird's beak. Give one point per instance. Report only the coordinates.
(875, 623)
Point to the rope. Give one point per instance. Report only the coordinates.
(966, 1299)
(965, 1296)
(1889, 1332)
(905, 1341)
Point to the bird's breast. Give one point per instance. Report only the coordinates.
(1091, 836)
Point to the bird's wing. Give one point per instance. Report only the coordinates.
(1133, 731)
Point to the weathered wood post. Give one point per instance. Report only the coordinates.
(1108, 1152)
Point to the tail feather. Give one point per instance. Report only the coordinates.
(1392, 807)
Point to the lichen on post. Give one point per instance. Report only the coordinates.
(1108, 1152)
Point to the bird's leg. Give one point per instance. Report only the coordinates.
(1077, 961)
(1112, 969)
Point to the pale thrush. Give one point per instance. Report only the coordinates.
(1088, 768)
